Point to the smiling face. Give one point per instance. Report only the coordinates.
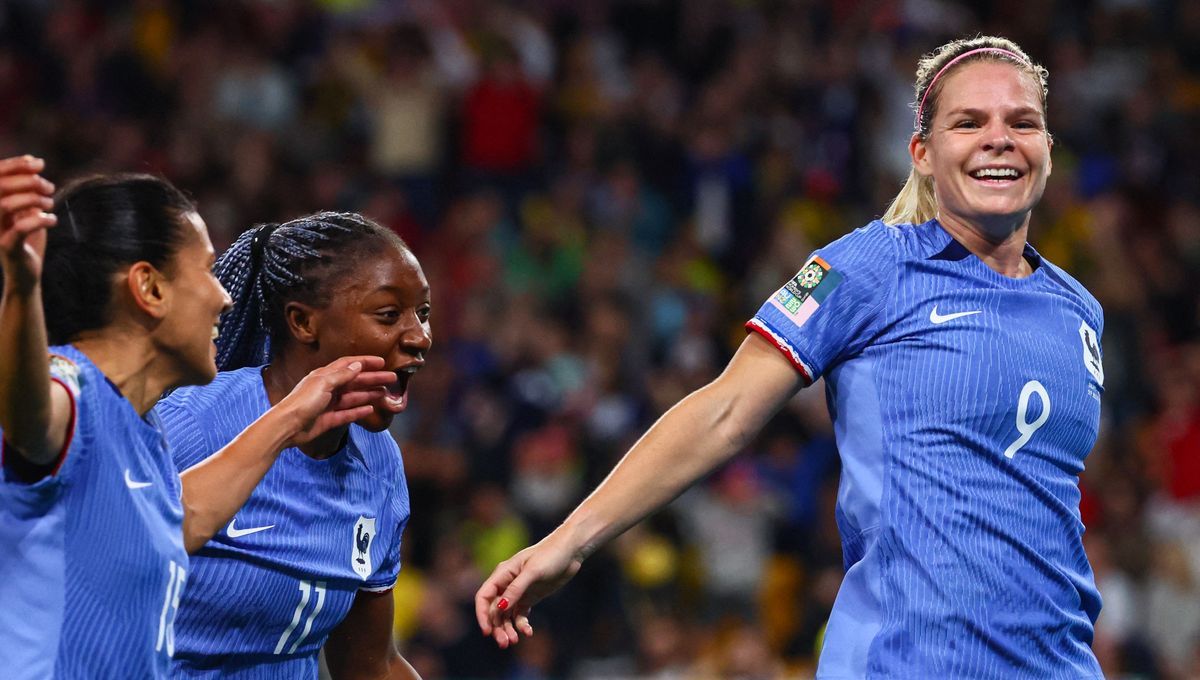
(381, 310)
(197, 298)
(988, 150)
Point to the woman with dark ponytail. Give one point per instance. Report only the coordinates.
(963, 374)
(310, 559)
(100, 316)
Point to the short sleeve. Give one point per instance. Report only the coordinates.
(397, 514)
(832, 307)
(185, 439)
(66, 373)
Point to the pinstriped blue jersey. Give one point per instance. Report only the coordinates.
(267, 590)
(964, 403)
(91, 557)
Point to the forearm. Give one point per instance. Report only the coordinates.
(27, 413)
(214, 489)
(694, 437)
(704, 430)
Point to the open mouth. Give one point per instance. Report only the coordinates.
(397, 393)
(216, 331)
(996, 175)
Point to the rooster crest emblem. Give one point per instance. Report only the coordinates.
(360, 546)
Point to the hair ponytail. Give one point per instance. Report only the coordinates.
(916, 202)
(244, 339)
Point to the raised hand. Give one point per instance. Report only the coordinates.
(25, 205)
(503, 602)
(335, 395)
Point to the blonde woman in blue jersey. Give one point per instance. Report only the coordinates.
(963, 373)
(99, 316)
(310, 560)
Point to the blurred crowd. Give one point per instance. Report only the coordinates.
(601, 193)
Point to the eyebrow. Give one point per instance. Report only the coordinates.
(1018, 111)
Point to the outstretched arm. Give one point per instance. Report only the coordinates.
(361, 646)
(699, 433)
(34, 413)
(329, 397)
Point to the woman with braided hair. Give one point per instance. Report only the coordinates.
(963, 374)
(310, 559)
(109, 299)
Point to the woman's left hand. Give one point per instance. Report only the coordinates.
(335, 395)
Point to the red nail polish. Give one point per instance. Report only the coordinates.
(502, 605)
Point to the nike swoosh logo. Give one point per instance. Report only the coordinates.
(234, 532)
(934, 317)
(129, 482)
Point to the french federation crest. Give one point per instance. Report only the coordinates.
(360, 550)
(1091, 352)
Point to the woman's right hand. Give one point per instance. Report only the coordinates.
(503, 602)
(26, 199)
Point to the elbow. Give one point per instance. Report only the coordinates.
(196, 530)
(731, 427)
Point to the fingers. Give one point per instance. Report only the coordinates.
(29, 200)
(509, 602)
(488, 593)
(366, 361)
(370, 381)
(353, 398)
(26, 183)
(21, 165)
(333, 419)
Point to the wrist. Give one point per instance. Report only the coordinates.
(282, 424)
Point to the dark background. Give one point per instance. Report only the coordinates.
(601, 193)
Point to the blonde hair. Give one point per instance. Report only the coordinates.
(916, 202)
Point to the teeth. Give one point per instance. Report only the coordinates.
(215, 332)
(1000, 173)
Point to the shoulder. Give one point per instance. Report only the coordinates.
(70, 367)
(379, 453)
(230, 389)
(872, 245)
(1074, 289)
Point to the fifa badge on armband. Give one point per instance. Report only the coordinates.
(1091, 352)
(801, 296)
(360, 549)
(66, 371)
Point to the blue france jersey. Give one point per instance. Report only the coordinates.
(91, 557)
(964, 403)
(267, 590)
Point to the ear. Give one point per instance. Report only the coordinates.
(303, 322)
(1050, 154)
(148, 289)
(919, 150)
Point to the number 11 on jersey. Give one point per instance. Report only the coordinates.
(306, 591)
(1025, 427)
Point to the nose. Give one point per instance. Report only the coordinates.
(226, 301)
(416, 338)
(998, 138)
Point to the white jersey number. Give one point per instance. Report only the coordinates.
(1025, 427)
(166, 620)
(306, 590)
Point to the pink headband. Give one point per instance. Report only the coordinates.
(952, 62)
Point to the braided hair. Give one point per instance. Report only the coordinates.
(297, 261)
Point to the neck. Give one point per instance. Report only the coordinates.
(1001, 246)
(280, 377)
(132, 363)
